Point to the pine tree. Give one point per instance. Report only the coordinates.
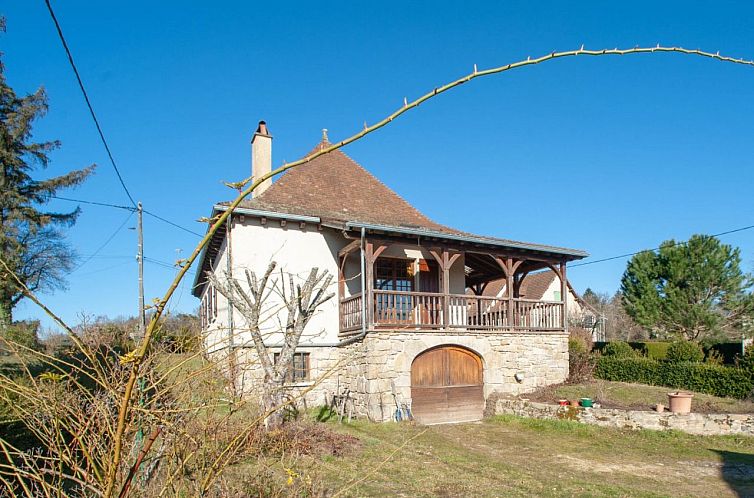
(693, 290)
(32, 241)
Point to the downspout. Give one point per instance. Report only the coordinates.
(229, 271)
(233, 363)
(363, 333)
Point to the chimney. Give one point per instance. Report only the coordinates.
(261, 157)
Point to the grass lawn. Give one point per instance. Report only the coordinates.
(637, 397)
(511, 456)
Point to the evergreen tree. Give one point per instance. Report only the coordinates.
(694, 290)
(31, 239)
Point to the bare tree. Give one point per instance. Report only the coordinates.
(300, 301)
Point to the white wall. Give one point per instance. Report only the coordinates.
(296, 251)
(216, 334)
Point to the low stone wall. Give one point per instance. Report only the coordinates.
(713, 424)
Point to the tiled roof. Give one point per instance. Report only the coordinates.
(334, 187)
(534, 285)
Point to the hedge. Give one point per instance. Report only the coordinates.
(655, 350)
(658, 349)
(699, 377)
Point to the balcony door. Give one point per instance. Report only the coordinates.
(395, 299)
(392, 278)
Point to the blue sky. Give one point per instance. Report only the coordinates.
(610, 155)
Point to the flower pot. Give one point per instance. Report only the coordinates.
(680, 402)
(586, 402)
(659, 408)
(563, 402)
(574, 402)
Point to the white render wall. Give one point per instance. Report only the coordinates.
(216, 334)
(296, 250)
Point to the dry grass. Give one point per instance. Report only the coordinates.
(510, 456)
(636, 397)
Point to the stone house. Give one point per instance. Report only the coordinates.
(410, 322)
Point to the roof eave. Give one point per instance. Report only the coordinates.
(571, 253)
(260, 213)
(195, 287)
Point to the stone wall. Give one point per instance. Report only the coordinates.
(380, 366)
(377, 370)
(326, 375)
(692, 423)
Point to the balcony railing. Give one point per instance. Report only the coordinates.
(433, 311)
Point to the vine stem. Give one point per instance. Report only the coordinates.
(136, 357)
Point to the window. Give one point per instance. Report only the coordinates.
(208, 307)
(393, 274)
(299, 369)
(396, 275)
(556, 295)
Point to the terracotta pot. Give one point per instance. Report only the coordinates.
(680, 402)
(659, 408)
(574, 402)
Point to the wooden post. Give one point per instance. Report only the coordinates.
(445, 260)
(509, 267)
(564, 295)
(341, 288)
(372, 253)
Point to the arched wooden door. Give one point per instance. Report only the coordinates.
(447, 386)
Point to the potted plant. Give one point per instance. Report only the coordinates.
(679, 402)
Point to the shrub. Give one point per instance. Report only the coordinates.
(714, 357)
(682, 351)
(746, 362)
(619, 349)
(580, 360)
(698, 377)
(21, 335)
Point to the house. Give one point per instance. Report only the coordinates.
(403, 327)
(545, 286)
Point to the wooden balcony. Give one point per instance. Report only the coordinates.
(437, 311)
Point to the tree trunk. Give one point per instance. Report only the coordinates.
(6, 315)
(272, 401)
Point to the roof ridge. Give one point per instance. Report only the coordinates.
(344, 177)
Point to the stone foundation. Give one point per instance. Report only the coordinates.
(385, 364)
(713, 424)
(378, 368)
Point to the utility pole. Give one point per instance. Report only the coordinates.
(140, 260)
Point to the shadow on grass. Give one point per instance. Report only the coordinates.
(738, 471)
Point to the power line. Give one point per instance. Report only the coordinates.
(105, 204)
(94, 203)
(102, 246)
(628, 255)
(88, 103)
(171, 223)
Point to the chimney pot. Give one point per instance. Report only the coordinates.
(261, 157)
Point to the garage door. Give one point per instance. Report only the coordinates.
(447, 386)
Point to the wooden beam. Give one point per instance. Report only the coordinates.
(519, 279)
(342, 277)
(371, 253)
(349, 248)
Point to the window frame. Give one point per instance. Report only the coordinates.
(298, 373)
